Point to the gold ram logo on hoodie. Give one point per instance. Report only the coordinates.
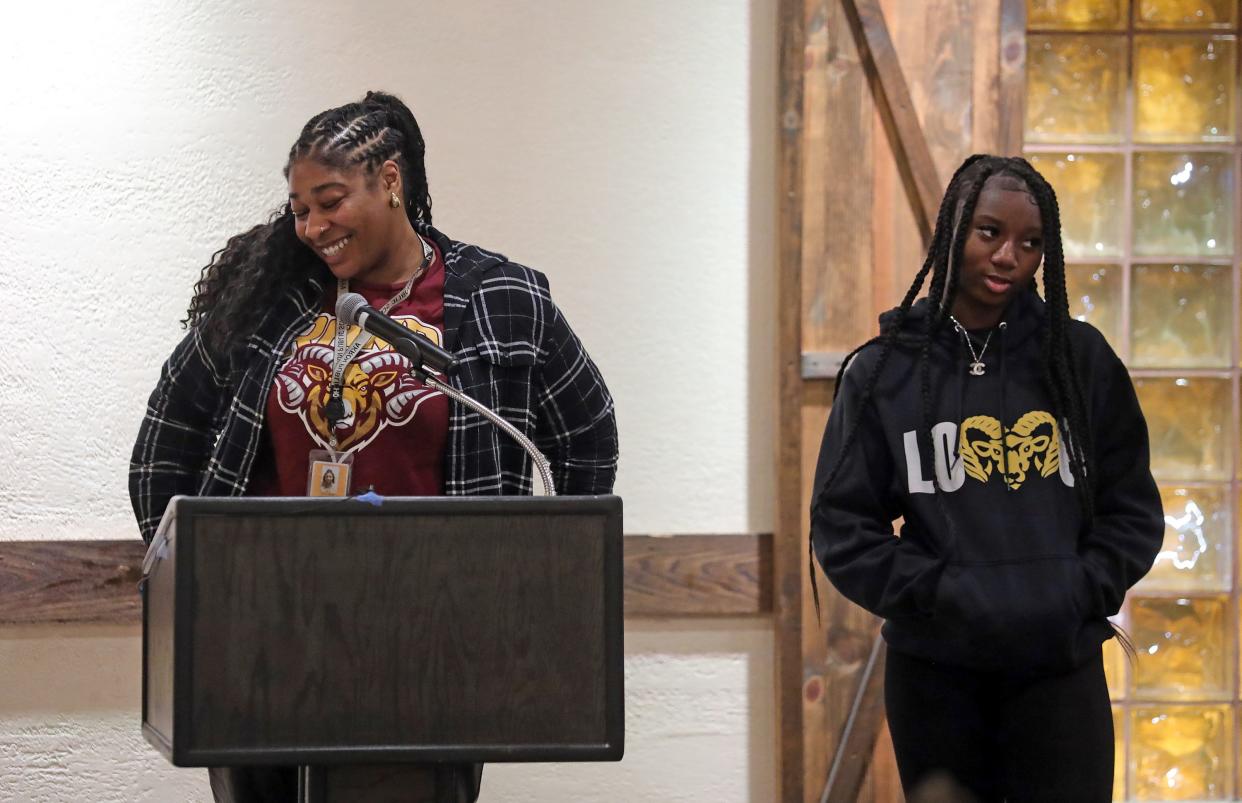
(1033, 439)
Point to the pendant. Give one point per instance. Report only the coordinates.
(976, 368)
(335, 411)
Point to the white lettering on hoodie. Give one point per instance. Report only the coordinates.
(1032, 447)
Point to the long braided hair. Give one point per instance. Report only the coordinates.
(944, 256)
(255, 267)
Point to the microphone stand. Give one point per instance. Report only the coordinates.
(312, 780)
(413, 353)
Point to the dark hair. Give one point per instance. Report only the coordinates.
(1058, 367)
(377, 129)
(255, 267)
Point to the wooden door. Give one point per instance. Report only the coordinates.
(880, 101)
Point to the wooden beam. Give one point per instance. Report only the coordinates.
(787, 546)
(935, 41)
(985, 111)
(96, 582)
(836, 243)
(1012, 81)
(901, 121)
(698, 575)
(838, 163)
(862, 727)
(43, 582)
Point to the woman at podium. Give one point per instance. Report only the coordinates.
(267, 396)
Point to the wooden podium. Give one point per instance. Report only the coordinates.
(326, 633)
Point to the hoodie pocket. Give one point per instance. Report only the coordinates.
(1015, 615)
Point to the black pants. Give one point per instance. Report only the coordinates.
(1001, 737)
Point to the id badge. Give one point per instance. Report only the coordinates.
(329, 473)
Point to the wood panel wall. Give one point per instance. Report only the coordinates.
(867, 132)
(96, 582)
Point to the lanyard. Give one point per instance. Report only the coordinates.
(343, 355)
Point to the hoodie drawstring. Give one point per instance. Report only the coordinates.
(1004, 416)
(961, 393)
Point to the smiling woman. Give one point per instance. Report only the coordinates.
(268, 396)
(342, 200)
(330, 209)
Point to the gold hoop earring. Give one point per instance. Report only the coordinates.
(394, 201)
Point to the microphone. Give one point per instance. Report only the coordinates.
(354, 309)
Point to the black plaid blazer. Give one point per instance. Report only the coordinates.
(517, 355)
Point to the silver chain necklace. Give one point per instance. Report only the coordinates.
(342, 355)
(977, 367)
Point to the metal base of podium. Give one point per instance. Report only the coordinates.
(383, 783)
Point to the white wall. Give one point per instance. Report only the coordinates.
(699, 724)
(627, 150)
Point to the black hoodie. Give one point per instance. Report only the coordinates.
(1002, 572)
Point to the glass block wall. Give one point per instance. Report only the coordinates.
(1132, 114)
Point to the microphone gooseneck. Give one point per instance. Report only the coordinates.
(426, 356)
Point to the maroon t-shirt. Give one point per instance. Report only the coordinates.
(395, 426)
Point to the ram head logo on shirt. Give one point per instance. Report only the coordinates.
(1032, 440)
(377, 388)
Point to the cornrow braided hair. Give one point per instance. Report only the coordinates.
(243, 279)
(368, 133)
(944, 256)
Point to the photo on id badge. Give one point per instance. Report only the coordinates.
(328, 477)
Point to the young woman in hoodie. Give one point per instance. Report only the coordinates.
(1009, 440)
